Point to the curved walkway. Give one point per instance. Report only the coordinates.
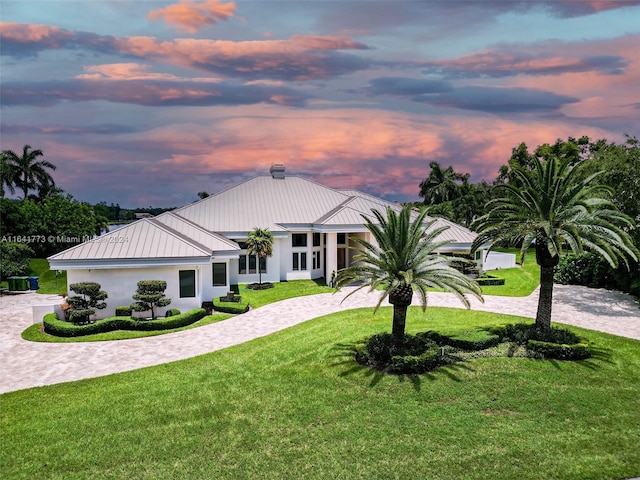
(30, 364)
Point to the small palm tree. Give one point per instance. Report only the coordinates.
(549, 208)
(260, 243)
(29, 173)
(403, 259)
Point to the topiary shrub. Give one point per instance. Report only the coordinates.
(83, 305)
(549, 350)
(238, 306)
(60, 328)
(172, 312)
(418, 354)
(488, 280)
(466, 340)
(123, 311)
(150, 295)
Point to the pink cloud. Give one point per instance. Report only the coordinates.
(191, 16)
(133, 71)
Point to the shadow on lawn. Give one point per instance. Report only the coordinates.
(341, 355)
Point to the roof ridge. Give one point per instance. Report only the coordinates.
(179, 236)
(334, 211)
(199, 227)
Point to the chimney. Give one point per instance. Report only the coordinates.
(277, 170)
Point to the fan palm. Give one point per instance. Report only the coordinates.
(403, 259)
(549, 208)
(7, 176)
(260, 243)
(28, 172)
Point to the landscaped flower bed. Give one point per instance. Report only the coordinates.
(427, 350)
(61, 328)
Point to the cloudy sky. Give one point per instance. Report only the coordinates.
(149, 102)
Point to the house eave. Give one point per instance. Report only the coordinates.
(112, 263)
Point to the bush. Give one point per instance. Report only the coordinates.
(418, 354)
(150, 295)
(591, 270)
(172, 312)
(220, 304)
(549, 350)
(123, 311)
(60, 328)
(466, 340)
(89, 298)
(489, 280)
(14, 259)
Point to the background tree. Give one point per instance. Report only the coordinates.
(402, 259)
(550, 208)
(29, 172)
(150, 295)
(7, 176)
(14, 259)
(441, 185)
(260, 243)
(89, 298)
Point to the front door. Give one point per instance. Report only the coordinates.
(342, 253)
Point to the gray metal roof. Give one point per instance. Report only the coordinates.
(280, 204)
(149, 238)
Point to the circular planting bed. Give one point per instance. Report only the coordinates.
(425, 351)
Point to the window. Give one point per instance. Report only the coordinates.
(219, 274)
(316, 260)
(187, 283)
(252, 262)
(299, 240)
(342, 238)
(300, 261)
(316, 239)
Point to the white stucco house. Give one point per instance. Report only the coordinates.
(199, 249)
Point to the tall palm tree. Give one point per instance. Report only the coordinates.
(7, 176)
(402, 259)
(442, 185)
(260, 243)
(549, 208)
(30, 173)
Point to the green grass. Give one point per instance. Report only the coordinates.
(281, 291)
(295, 405)
(47, 282)
(34, 333)
(520, 281)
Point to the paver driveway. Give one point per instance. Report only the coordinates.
(29, 364)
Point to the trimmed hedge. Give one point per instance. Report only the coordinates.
(556, 351)
(236, 307)
(172, 312)
(123, 311)
(490, 281)
(418, 354)
(60, 328)
(467, 340)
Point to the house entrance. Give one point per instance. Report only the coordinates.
(342, 254)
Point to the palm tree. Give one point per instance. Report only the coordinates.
(260, 243)
(442, 185)
(549, 208)
(403, 259)
(7, 176)
(30, 174)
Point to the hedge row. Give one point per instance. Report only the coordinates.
(236, 307)
(490, 281)
(576, 351)
(60, 328)
(467, 340)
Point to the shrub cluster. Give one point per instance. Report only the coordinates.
(236, 307)
(490, 281)
(418, 354)
(123, 311)
(558, 343)
(172, 312)
(60, 328)
(467, 340)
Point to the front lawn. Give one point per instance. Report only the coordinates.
(520, 281)
(281, 291)
(296, 405)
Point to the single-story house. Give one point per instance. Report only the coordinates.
(199, 249)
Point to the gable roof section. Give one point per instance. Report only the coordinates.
(195, 234)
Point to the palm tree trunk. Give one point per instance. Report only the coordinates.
(399, 323)
(547, 264)
(545, 300)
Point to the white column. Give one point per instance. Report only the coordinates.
(331, 249)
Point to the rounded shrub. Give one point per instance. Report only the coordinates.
(172, 312)
(417, 354)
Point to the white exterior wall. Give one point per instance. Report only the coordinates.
(496, 260)
(292, 274)
(121, 284)
(272, 274)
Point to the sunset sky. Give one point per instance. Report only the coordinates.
(149, 102)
